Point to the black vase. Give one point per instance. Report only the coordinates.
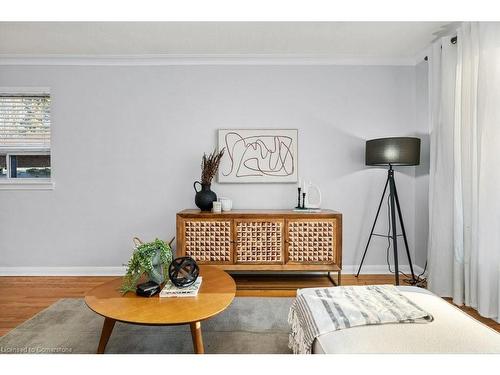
(205, 197)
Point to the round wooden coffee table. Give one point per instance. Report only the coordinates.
(216, 294)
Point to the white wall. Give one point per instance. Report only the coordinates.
(127, 143)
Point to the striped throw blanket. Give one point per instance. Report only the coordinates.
(318, 311)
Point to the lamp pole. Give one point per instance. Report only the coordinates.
(392, 189)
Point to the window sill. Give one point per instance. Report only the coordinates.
(27, 185)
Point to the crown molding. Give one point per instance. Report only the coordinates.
(202, 59)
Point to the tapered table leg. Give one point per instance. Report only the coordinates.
(197, 338)
(107, 328)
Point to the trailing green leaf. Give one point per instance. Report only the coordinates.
(142, 262)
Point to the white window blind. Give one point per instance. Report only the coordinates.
(25, 121)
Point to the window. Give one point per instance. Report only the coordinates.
(24, 138)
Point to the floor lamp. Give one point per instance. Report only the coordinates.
(394, 151)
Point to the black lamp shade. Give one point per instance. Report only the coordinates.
(393, 151)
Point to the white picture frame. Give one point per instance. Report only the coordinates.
(258, 155)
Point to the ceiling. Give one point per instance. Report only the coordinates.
(382, 40)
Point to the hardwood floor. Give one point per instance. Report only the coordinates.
(286, 285)
(23, 297)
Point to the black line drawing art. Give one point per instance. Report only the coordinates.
(259, 154)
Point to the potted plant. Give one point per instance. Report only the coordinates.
(152, 259)
(205, 197)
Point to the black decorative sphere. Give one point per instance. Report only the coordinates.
(183, 272)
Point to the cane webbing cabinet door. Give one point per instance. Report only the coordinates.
(262, 240)
(208, 240)
(259, 241)
(311, 241)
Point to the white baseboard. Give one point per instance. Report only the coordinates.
(119, 271)
(62, 271)
(378, 269)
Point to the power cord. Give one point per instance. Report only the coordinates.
(419, 280)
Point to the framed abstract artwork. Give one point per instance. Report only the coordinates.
(258, 155)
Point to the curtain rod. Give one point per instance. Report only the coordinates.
(453, 40)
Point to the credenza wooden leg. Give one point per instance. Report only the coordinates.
(107, 328)
(335, 282)
(197, 338)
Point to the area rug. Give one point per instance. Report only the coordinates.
(250, 325)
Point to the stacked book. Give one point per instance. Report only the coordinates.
(170, 290)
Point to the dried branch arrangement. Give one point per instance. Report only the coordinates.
(210, 165)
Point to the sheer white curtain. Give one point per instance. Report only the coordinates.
(464, 195)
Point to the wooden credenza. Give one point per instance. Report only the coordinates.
(262, 240)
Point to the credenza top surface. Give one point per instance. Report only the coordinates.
(257, 213)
